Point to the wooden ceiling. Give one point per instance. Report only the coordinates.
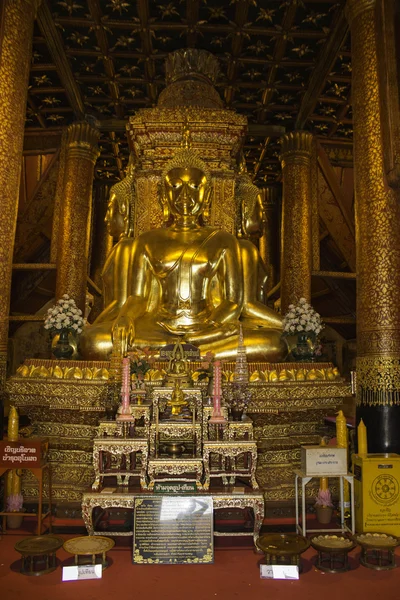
(283, 63)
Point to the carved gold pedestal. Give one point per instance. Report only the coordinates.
(66, 403)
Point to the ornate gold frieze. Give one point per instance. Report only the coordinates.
(74, 457)
(378, 381)
(65, 431)
(275, 431)
(287, 456)
(51, 369)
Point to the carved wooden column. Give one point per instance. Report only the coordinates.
(75, 219)
(296, 148)
(16, 27)
(269, 240)
(378, 246)
(101, 245)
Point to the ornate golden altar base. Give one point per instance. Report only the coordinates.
(65, 402)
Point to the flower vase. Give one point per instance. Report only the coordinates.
(63, 350)
(237, 414)
(15, 521)
(303, 352)
(324, 514)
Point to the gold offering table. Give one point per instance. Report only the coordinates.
(333, 552)
(228, 453)
(38, 554)
(283, 548)
(89, 546)
(377, 550)
(124, 451)
(222, 499)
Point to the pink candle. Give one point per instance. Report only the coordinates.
(125, 412)
(217, 416)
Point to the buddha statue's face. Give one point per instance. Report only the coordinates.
(114, 219)
(253, 225)
(186, 191)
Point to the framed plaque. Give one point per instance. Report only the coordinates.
(173, 530)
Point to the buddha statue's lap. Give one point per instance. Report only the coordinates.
(170, 280)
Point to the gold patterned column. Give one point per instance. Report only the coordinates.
(101, 245)
(16, 27)
(268, 241)
(378, 246)
(58, 201)
(75, 222)
(296, 148)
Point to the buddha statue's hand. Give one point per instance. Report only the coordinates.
(123, 333)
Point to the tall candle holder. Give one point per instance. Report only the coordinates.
(124, 411)
(217, 416)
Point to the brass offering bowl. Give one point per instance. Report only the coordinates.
(174, 449)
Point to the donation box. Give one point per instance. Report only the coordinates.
(376, 493)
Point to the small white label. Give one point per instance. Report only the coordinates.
(76, 572)
(279, 571)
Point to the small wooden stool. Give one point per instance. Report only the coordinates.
(89, 545)
(38, 551)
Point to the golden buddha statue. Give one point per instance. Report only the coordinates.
(186, 279)
(177, 401)
(119, 221)
(251, 226)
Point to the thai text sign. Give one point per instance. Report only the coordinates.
(22, 454)
(173, 530)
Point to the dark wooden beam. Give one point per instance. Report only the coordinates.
(192, 17)
(57, 51)
(322, 69)
(109, 69)
(241, 12)
(143, 11)
(334, 274)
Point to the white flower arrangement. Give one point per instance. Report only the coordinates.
(64, 315)
(302, 318)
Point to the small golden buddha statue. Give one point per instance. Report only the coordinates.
(178, 368)
(187, 280)
(177, 401)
